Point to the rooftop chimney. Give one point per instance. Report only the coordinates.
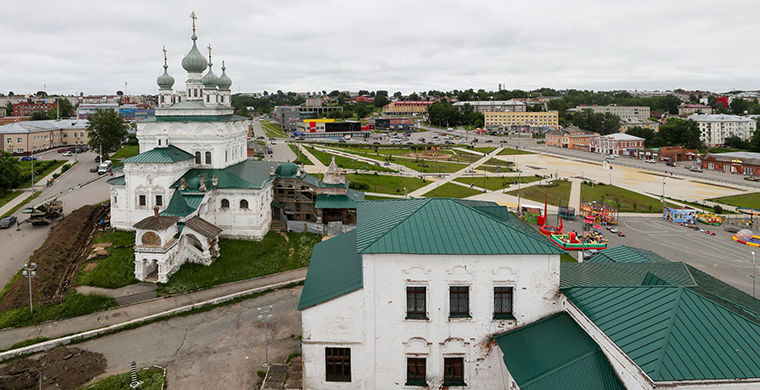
(155, 211)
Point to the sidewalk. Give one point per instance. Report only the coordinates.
(28, 191)
(421, 191)
(126, 313)
(317, 164)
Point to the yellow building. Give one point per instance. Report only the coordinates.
(409, 107)
(35, 136)
(627, 124)
(507, 119)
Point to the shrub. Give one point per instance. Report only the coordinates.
(718, 209)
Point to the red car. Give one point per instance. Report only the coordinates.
(61, 150)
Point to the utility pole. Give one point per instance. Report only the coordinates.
(754, 273)
(265, 316)
(30, 271)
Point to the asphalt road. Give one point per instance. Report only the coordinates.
(18, 245)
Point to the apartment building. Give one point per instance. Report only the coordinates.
(572, 138)
(628, 123)
(638, 112)
(691, 109)
(34, 136)
(715, 128)
(409, 107)
(494, 105)
(521, 120)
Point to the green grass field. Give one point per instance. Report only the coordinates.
(510, 151)
(124, 153)
(485, 149)
(243, 259)
(22, 204)
(385, 184)
(743, 200)
(72, 305)
(300, 157)
(118, 268)
(345, 162)
(273, 129)
(427, 166)
(8, 196)
(624, 200)
(152, 378)
(26, 169)
(556, 191)
(450, 190)
(495, 183)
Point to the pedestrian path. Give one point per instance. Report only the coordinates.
(317, 164)
(424, 190)
(126, 313)
(575, 194)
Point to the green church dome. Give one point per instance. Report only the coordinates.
(194, 62)
(194, 183)
(210, 79)
(287, 169)
(223, 82)
(165, 81)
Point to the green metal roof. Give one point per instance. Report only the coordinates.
(673, 333)
(627, 254)
(245, 174)
(622, 274)
(335, 269)
(169, 154)
(327, 201)
(182, 204)
(724, 294)
(439, 226)
(555, 353)
(319, 183)
(117, 181)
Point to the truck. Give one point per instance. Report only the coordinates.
(44, 213)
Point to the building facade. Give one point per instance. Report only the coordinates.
(744, 163)
(571, 138)
(408, 107)
(691, 109)
(494, 105)
(715, 128)
(25, 137)
(30, 107)
(521, 120)
(637, 112)
(629, 123)
(618, 144)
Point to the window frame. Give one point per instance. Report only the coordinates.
(416, 291)
(225, 203)
(334, 360)
(142, 200)
(159, 200)
(198, 158)
(504, 315)
(416, 362)
(459, 314)
(448, 380)
(208, 157)
(243, 207)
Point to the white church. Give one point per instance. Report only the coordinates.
(193, 182)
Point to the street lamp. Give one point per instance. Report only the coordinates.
(754, 273)
(265, 316)
(30, 271)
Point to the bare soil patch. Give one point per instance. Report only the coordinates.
(62, 368)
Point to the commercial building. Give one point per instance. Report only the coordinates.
(638, 112)
(618, 144)
(27, 137)
(628, 123)
(329, 128)
(391, 124)
(409, 107)
(715, 128)
(570, 138)
(290, 116)
(745, 163)
(690, 109)
(30, 107)
(130, 112)
(494, 105)
(515, 120)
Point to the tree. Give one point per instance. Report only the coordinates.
(40, 115)
(334, 93)
(643, 132)
(414, 96)
(9, 108)
(602, 123)
(397, 95)
(11, 94)
(677, 131)
(65, 107)
(106, 130)
(41, 94)
(10, 171)
(736, 142)
(381, 100)
(119, 93)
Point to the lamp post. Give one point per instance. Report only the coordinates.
(754, 273)
(265, 316)
(30, 271)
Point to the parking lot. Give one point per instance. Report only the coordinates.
(717, 255)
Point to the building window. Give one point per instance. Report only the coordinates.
(115, 199)
(141, 201)
(459, 302)
(338, 364)
(159, 142)
(415, 372)
(208, 157)
(244, 204)
(225, 204)
(159, 200)
(502, 303)
(197, 157)
(18, 140)
(453, 371)
(415, 303)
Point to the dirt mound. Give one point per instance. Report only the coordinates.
(62, 368)
(57, 259)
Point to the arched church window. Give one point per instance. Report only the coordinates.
(225, 204)
(244, 204)
(208, 157)
(197, 157)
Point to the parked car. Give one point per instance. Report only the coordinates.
(94, 168)
(651, 161)
(489, 140)
(61, 150)
(670, 164)
(750, 178)
(66, 154)
(614, 230)
(260, 137)
(621, 234)
(28, 158)
(97, 159)
(7, 222)
(697, 168)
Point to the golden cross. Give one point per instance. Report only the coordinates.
(192, 16)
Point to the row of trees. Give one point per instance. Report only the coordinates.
(602, 123)
(674, 132)
(445, 114)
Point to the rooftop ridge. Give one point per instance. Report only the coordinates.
(666, 342)
(422, 204)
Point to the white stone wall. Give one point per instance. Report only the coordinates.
(389, 338)
(251, 223)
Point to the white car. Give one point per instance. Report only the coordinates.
(66, 154)
(651, 161)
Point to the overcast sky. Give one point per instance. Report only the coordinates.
(307, 45)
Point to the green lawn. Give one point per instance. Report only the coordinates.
(556, 191)
(22, 204)
(152, 378)
(42, 168)
(495, 183)
(300, 157)
(510, 151)
(743, 200)
(273, 129)
(242, 259)
(485, 149)
(345, 162)
(118, 268)
(450, 190)
(496, 165)
(427, 166)
(72, 305)
(124, 153)
(385, 184)
(702, 206)
(8, 196)
(624, 200)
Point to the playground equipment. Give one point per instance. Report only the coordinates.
(567, 213)
(710, 219)
(545, 229)
(571, 241)
(748, 211)
(599, 212)
(746, 237)
(679, 215)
